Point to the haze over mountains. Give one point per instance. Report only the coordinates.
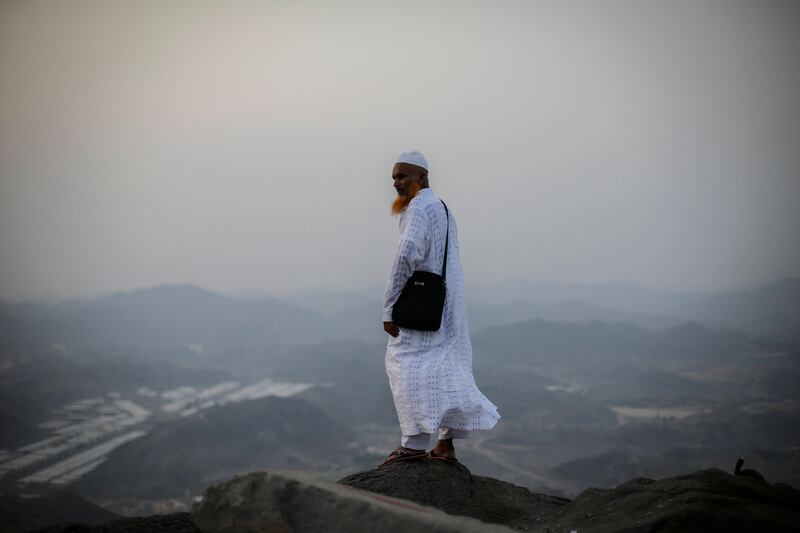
(174, 388)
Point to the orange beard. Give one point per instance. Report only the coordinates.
(401, 202)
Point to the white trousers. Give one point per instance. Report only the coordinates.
(420, 441)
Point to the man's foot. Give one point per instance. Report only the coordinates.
(444, 451)
(403, 454)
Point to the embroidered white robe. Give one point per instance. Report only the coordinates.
(430, 373)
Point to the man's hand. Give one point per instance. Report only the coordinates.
(391, 329)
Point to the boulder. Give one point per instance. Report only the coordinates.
(708, 500)
(453, 489)
(413, 497)
(298, 502)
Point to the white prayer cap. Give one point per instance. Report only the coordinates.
(413, 157)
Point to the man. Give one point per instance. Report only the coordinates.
(430, 372)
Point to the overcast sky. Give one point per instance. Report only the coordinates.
(248, 145)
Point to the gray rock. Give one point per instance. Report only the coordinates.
(708, 500)
(298, 502)
(453, 489)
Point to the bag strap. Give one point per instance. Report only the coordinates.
(446, 239)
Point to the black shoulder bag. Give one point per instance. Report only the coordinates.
(421, 303)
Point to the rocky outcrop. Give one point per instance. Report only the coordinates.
(708, 500)
(298, 502)
(413, 497)
(453, 489)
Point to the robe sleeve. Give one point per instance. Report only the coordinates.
(414, 243)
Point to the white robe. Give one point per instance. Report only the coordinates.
(430, 373)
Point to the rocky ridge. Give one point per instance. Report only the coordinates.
(433, 496)
(453, 489)
(707, 500)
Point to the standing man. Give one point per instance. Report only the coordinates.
(430, 372)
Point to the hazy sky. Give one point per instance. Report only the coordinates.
(248, 145)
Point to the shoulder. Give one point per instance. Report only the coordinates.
(432, 207)
(424, 202)
(415, 213)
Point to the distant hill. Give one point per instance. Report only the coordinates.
(43, 381)
(181, 457)
(771, 309)
(692, 340)
(610, 363)
(331, 302)
(542, 341)
(483, 315)
(16, 422)
(40, 507)
(354, 388)
(168, 316)
(620, 296)
(183, 315)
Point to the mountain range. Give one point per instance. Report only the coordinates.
(589, 394)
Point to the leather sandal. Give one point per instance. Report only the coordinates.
(403, 454)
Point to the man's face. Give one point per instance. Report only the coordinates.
(403, 175)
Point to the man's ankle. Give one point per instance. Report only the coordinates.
(445, 444)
